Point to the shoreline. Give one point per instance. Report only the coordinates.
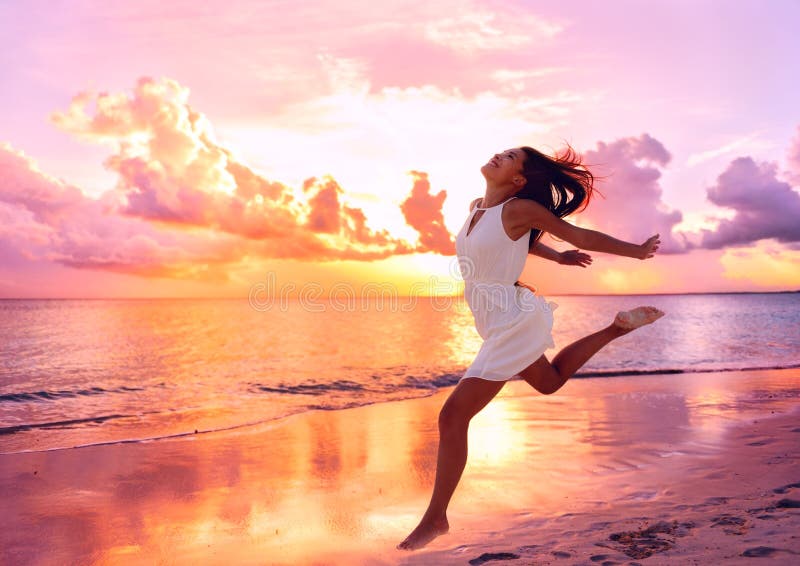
(546, 475)
(600, 374)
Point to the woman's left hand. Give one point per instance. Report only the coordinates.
(575, 257)
(521, 284)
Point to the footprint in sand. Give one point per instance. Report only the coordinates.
(731, 524)
(529, 548)
(785, 503)
(718, 475)
(603, 558)
(786, 488)
(489, 556)
(717, 500)
(765, 551)
(648, 541)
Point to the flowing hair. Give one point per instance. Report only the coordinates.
(562, 184)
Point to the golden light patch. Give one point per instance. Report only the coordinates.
(420, 274)
(396, 276)
(700, 220)
(765, 265)
(630, 280)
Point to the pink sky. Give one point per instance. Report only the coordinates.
(176, 149)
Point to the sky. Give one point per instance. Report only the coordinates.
(218, 149)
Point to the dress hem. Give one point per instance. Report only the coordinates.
(513, 375)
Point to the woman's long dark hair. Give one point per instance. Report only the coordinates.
(562, 184)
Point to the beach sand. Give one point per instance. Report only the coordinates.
(670, 469)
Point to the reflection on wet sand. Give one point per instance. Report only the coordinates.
(351, 483)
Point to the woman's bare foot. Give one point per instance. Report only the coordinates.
(634, 318)
(425, 532)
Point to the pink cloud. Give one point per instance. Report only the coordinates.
(183, 206)
(632, 208)
(764, 206)
(173, 171)
(793, 160)
(328, 215)
(86, 233)
(45, 219)
(23, 185)
(423, 211)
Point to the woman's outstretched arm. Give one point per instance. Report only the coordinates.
(569, 257)
(534, 215)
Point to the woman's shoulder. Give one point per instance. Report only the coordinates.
(474, 203)
(524, 210)
(524, 204)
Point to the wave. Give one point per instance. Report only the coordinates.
(665, 371)
(312, 388)
(451, 378)
(432, 384)
(59, 424)
(25, 396)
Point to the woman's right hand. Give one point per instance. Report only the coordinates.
(649, 248)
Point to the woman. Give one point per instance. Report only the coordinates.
(527, 194)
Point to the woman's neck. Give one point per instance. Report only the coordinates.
(494, 196)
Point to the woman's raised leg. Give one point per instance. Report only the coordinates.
(465, 401)
(548, 377)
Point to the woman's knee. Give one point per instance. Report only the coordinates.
(546, 384)
(543, 376)
(545, 388)
(453, 418)
(467, 400)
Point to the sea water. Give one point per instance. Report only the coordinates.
(80, 372)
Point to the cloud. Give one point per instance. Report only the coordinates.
(423, 212)
(478, 30)
(328, 215)
(632, 209)
(184, 207)
(173, 172)
(764, 206)
(24, 185)
(750, 141)
(793, 160)
(48, 220)
(54, 222)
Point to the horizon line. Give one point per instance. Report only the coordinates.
(399, 296)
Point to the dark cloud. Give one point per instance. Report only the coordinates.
(764, 206)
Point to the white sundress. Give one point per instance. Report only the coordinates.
(515, 323)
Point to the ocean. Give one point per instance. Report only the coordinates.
(84, 372)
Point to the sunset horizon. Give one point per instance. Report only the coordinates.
(398, 282)
(160, 177)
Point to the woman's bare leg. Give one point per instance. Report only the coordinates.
(547, 377)
(466, 400)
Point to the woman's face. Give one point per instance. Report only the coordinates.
(505, 168)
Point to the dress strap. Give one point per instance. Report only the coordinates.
(500, 204)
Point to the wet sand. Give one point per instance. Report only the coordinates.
(671, 469)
